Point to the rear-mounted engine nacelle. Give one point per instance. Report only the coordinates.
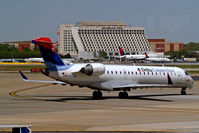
(93, 69)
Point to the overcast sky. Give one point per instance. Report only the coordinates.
(174, 20)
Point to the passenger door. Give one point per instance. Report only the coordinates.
(179, 77)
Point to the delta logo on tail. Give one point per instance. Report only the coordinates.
(146, 55)
(49, 54)
(121, 51)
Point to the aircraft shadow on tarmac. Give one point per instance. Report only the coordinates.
(136, 97)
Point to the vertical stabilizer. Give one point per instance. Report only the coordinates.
(121, 51)
(51, 59)
(146, 55)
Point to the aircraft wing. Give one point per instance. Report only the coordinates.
(129, 84)
(141, 85)
(41, 81)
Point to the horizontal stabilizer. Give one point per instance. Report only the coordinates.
(41, 81)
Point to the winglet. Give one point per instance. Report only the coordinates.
(23, 76)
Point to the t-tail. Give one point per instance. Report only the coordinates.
(51, 59)
(121, 51)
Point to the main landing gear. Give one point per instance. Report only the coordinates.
(123, 94)
(97, 94)
(183, 91)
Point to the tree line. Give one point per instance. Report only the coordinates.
(190, 50)
(9, 51)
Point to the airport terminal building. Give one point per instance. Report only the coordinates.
(85, 39)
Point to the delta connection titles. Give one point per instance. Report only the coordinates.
(155, 70)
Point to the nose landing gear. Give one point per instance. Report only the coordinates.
(183, 91)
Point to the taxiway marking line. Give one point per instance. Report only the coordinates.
(13, 93)
(141, 108)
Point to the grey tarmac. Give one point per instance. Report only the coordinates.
(50, 107)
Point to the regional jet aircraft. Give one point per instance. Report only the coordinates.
(100, 77)
(130, 57)
(152, 59)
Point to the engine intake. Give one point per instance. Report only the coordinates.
(93, 69)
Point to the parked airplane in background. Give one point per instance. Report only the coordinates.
(153, 59)
(40, 60)
(146, 57)
(130, 57)
(99, 77)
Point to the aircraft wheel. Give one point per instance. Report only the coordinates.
(97, 95)
(126, 95)
(183, 91)
(120, 95)
(123, 95)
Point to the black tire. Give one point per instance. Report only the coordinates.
(120, 95)
(123, 95)
(97, 94)
(183, 92)
(126, 95)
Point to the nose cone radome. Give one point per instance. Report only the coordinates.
(191, 82)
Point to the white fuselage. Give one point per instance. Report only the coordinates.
(126, 77)
(158, 59)
(135, 57)
(41, 60)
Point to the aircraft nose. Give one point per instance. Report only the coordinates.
(191, 81)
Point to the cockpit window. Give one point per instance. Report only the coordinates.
(186, 73)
